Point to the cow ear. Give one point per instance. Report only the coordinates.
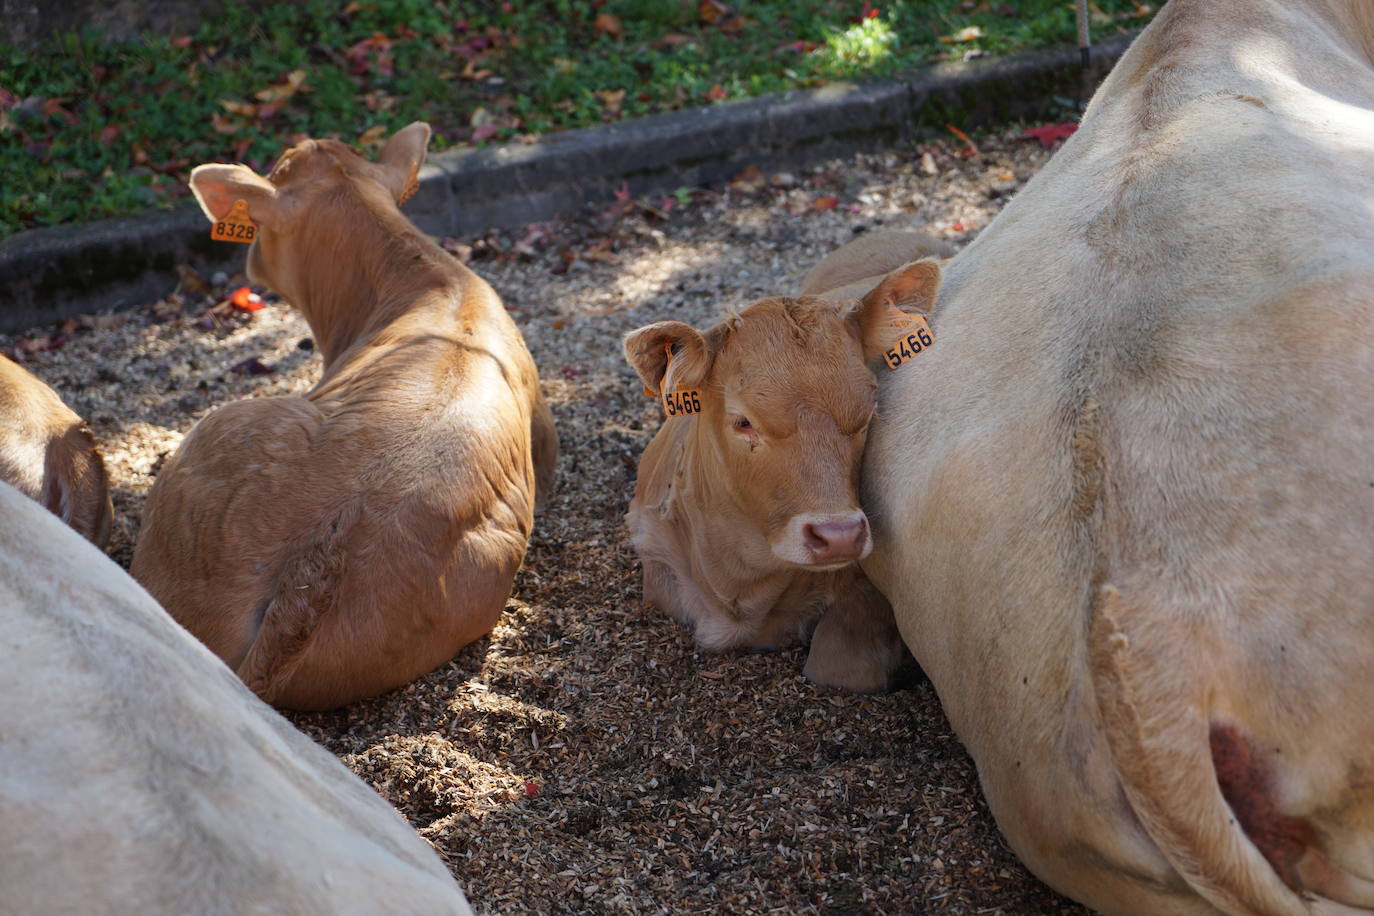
(647, 350)
(218, 187)
(909, 290)
(401, 159)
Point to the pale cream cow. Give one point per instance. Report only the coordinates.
(139, 777)
(1124, 512)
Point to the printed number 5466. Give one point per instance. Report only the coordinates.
(682, 402)
(908, 347)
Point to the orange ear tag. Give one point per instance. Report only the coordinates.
(236, 227)
(913, 337)
(680, 401)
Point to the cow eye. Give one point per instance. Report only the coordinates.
(743, 423)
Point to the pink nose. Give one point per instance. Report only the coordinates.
(835, 542)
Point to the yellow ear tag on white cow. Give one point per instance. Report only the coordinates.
(913, 337)
(678, 402)
(237, 226)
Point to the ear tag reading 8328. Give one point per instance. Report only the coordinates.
(914, 337)
(677, 402)
(237, 226)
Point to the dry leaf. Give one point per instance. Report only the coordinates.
(372, 136)
(828, 202)
(1047, 134)
(608, 25)
(970, 33)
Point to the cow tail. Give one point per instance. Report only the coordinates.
(1164, 746)
(307, 589)
(75, 486)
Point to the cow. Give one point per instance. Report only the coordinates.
(1124, 510)
(338, 544)
(48, 454)
(746, 514)
(139, 776)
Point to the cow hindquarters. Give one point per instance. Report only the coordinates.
(1158, 719)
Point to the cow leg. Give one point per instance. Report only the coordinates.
(856, 646)
(543, 450)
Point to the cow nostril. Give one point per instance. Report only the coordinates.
(814, 541)
(835, 540)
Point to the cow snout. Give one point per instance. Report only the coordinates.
(836, 542)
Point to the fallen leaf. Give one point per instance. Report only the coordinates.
(372, 136)
(222, 124)
(108, 134)
(531, 790)
(749, 178)
(484, 131)
(242, 109)
(828, 202)
(608, 25)
(182, 41)
(713, 11)
(611, 98)
(959, 226)
(54, 107)
(294, 82)
(970, 151)
(970, 33)
(673, 39)
(716, 93)
(1047, 134)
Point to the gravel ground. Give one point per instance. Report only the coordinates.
(585, 757)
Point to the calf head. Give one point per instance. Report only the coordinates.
(310, 205)
(786, 400)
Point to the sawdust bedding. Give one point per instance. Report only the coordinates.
(585, 757)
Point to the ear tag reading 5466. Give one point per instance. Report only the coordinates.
(237, 226)
(915, 337)
(678, 402)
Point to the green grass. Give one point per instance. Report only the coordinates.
(91, 129)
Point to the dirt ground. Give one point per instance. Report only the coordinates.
(586, 757)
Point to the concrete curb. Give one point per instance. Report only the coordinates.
(50, 274)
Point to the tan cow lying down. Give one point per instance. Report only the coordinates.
(746, 516)
(336, 545)
(49, 454)
(1124, 511)
(139, 777)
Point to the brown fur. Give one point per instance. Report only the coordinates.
(720, 511)
(48, 454)
(336, 545)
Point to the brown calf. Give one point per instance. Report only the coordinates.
(48, 454)
(338, 544)
(746, 515)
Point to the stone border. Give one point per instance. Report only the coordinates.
(50, 274)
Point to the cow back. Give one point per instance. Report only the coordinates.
(138, 775)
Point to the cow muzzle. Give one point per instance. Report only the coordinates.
(824, 541)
